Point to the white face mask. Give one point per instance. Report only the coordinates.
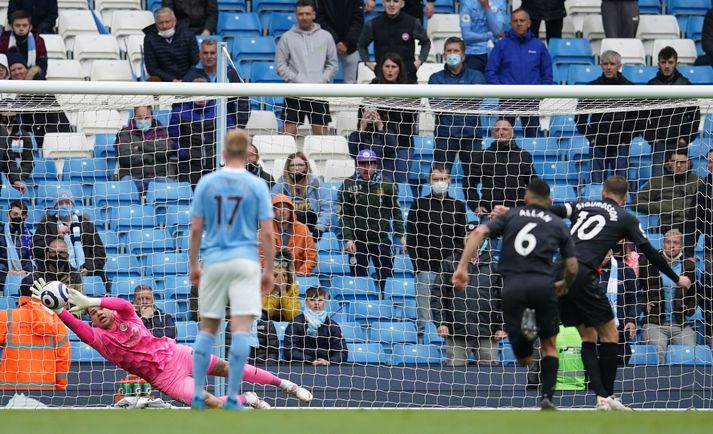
(167, 34)
(439, 187)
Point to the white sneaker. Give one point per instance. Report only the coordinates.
(293, 389)
(603, 404)
(616, 405)
(255, 402)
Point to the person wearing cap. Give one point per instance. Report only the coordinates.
(19, 70)
(85, 249)
(294, 236)
(435, 230)
(283, 303)
(25, 42)
(470, 319)
(369, 207)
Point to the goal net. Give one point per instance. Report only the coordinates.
(103, 180)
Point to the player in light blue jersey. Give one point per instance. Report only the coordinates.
(229, 206)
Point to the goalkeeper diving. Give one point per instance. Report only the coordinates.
(120, 336)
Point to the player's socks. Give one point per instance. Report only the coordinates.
(239, 353)
(254, 374)
(293, 389)
(591, 366)
(202, 351)
(608, 365)
(548, 376)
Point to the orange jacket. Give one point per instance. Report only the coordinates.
(36, 353)
(301, 244)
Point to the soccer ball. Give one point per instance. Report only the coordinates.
(55, 295)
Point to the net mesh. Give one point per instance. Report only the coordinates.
(131, 192)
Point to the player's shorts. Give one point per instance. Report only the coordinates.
(237, 281)
(534, 291)
(176, 380)
(316, 111)
(586, 301)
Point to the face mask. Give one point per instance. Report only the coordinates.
(58, 262)
(65, 211)
(298, 177)
(252, 168)
(16, 223)
(167, 34)
(439, 187)
(453, 60)
(142, 124)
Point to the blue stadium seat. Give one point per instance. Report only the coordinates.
(177, 287)
(46, 192)
(329, 243)
(123, 287)
(688, 355)
(7, 303)
(403, 266)
(444, 6)
(44, 169)
(639, 147)
(104, 145)
(694, 28)
(171, 307)
(699, 148)
(366, 353)
(333, 188)
(370, 311)
(332, 263)
(167, 192)
(643, 355)
(232, 5)
(239, 25)
(687, 7)
(454, 190)
(405, 309)
(280, 327)
(352, 332)
(263, 6)
(505, 354)
(416, 355)
(563, 125)
(583, 74)
(399, 289)
(390, 333)
(115, 193)
(698, 74)
(122, 265)
(563, 193)
(556, 171)
(83, 353)
(656, 239)
(142, 242)
(406, 198)
(86, 170)
(650, 7)
(264, 72)
(430, 335)
(9, 194)
(639, 74)
(575, 148)
(177, 217)
(111, 242)
(93, 286)
(250, 49)
(353, 287)
(423, 147)
(186, 331)
(280, 22)
(164, 264)
(648, 221)
(125, 218)
(541, 148)
(336, 310)
(570, 50)
(306, 282)
(12, 285)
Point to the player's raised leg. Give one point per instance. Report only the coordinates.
(253, 374)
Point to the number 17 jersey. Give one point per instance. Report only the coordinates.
(532, 235)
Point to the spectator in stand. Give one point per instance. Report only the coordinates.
(470, 319)
(294, 236)
(159, 323)
(520, 58)
(238, 108)
(313, 337)
(620, 18)
(415, 8)
(312, 202)
(552, 12)
(283, 303)
(373, 134)
(85, 250)
(16, 243)
(4, 67)
(199, 16)
(609, 134)
(343, 19)
(481, 21)
(700, 224)
(456, 134)
(170, 51)
(16, 153)
(381, 31)
(672, 194)
(403, 123)
(35, 347)
(306, 54)
(193, 129)
(52, 262)
(369, 209)
(268, 348)
(434, 230)
(19, 69)
(503, 170)
(256, 168)
(26, 42)
(144, 149)
(44, 13)
(707, 40)
(668, 305)
(665, 128)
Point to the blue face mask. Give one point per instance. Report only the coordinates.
(143, 124)
(453, 60)
(65, 211)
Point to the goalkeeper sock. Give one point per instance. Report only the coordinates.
(548, 376)
(591, 367)
(254, 374)
(239, 353)
(202, 351)
(608, 364)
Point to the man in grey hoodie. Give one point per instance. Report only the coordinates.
(306, 54)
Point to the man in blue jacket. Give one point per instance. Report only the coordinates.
(520, 58)
(456, 134)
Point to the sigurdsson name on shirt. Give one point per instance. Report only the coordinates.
(536, 214)
(613, 215)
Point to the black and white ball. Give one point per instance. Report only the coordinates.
(55, 295)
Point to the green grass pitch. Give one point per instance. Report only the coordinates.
(352, 421)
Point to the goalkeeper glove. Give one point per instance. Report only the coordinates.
(36, 288)
(81, 302)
